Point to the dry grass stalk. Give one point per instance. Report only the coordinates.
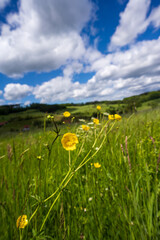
(153, 141)
(9, 152)
(122, 149)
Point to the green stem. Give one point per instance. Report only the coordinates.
(83, 163)
(94, 143)
(69, 160)
(49, 211)
(20, 233)
(57, 188)
(33, 214)
(71, 175)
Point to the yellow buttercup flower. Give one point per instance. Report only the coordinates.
(114, 117)
(66, 114)
(50, 117)
(97, 165)
(22, 221)
(96, 121)
(85, 127)
(111, 117)
(98, 107)
(117, 117)
(69, 141)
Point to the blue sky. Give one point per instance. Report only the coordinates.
(77, 51)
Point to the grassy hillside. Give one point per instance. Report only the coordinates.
(34, 118)
(107, 188)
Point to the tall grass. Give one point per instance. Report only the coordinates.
(119, 200)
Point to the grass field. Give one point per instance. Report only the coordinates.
(107, 188)
(15, 122)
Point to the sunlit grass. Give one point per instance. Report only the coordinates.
(106, 188)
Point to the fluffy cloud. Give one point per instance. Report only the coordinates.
(3, 3)
(154, 17)
(133, 21)
(57, 89)
(141, 59)
(42, 36)
(27, 103)
(117, 75)
(116, 89)
(16, 91)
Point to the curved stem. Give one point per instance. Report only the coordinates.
(69, 160)
(94, 144)
(70, 174)
(49, 211)
(33, 214)
(58, 187)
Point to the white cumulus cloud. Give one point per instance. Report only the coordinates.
(57, 89)
(27, 103)
(134, 21)
(16, 91)
(154, 17)
(43, 35)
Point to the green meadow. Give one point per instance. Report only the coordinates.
(106, 188)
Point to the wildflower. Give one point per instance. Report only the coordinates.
(90, 123)
(39, 157)
(69, 141)
(98, 108)
(114, 117)
(82, 120)
(117, 117)
(85, 127)
(22, 221)
(96, 121)
(111, 117)
(97, 165)
(90, 199)
(105, 113)
(66, 114)
(50, 117)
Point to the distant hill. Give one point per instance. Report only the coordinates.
(133, 101)
(144, 97)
